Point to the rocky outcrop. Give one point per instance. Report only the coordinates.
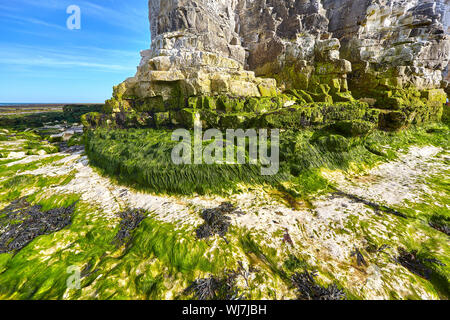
(392, 54)
(392, 44)
(195, 52)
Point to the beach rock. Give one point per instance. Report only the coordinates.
(16, 155)
(67, 135)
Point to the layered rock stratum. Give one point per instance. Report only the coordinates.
(392, 54)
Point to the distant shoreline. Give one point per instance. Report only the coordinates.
(44, 105)
(17, 109)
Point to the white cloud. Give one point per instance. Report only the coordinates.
(27, 20)
(80, 57)
(120, 14)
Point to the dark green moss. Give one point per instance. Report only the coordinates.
(353, 128)
(144, 157)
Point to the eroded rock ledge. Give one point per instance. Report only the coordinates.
(242, 58)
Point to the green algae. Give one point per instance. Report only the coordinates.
(413, 233)
(149, 270)
(325, 100)
(11, 170)
(263, 256)
(142, 158)
(160, 258)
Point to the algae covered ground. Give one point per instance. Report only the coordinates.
(349, 216)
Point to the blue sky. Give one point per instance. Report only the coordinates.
(41, 60)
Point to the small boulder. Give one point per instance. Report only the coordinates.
(393, 120)
(334, 143)
(353, 128)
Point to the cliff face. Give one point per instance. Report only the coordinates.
(203, 25)
(389, 52)
(393, 43)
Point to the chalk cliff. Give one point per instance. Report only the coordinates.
(393, 54)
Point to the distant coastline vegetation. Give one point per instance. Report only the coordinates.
(23, 116)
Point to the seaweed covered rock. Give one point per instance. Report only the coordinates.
(130, 220)
(353, 128)
(216, 221)
(334, 143)
(309, 289)
(440, 223)
(427, 267)
(417, 264)
(73, 113)
(21, 223)
(215, 288)
(393, 120)
(92, 120)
